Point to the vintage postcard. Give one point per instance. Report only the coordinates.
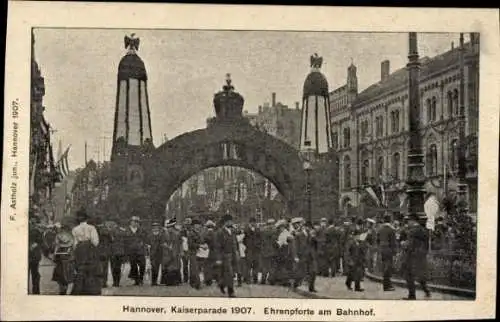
(212, 162)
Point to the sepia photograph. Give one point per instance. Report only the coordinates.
(254, 164)
(227, 162)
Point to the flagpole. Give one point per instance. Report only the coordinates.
(85, 153)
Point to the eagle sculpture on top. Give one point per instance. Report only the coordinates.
(132, 42)
(316, 61)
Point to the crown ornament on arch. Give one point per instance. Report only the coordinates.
(228, 104)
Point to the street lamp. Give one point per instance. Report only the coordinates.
(307, 169)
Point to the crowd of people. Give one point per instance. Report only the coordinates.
(283, 252)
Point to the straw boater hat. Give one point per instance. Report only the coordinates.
(371, 221)
(135, 218)
(171, 223)
(155, 224)
(65, 239)
(297, 220)
(324, 219)
(281, 223)
(271, 221)
(209, 224)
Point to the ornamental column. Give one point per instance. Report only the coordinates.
(415, 178)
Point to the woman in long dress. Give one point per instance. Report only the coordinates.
(171, 243)
(88, 269)
(64, 270)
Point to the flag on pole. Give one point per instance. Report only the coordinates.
(372, 194)
(33, 174)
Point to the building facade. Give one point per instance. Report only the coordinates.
(370, 128)
(43, 174)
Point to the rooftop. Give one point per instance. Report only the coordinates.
(399, 77)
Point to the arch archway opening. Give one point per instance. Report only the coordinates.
(227, 189)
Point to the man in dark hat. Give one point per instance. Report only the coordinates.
(194, 242)
(226, 249)
(268, 251)
(332, 247)
(35, 253)
(415, 247)
(253, 243)
(386, 241)
(135, 245)
(104, 248)
(155, 252)
(354, 258)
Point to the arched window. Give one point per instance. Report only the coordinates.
(396, 163)
(396, 121)
(450, 103)
(433, 108)
(380, 167)
(365, 170)
(347, 172)
(455, 102)
(347, 137)
(454, 155)
(428, 109)
(432, 160)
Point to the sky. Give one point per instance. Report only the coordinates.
(187, 67)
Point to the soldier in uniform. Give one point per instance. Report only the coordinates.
(104, 248)
(34, 254)
(226, 250)
(268, 235)
(155, 252)
(117, 253)
(386, 241)
(415, 247)
(354, 259)
(322, 248)
(171, 244)
(194, 242)
(253, 243)
(332, 242)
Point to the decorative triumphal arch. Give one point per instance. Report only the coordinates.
(143, 177)
(225, 142)
(146, 177)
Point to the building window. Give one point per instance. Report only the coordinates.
(380, 167)
(379, 126)
(395, 121)
(455, 101)
(347, 172)
(396, 164)
(450, 103)
(365, 171)
(454, 155)
(432, 160)
(335, 140)
(364, 129)
(428, 109)
(433, 109)
(347, 137)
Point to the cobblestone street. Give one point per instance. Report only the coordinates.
(333, 288)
